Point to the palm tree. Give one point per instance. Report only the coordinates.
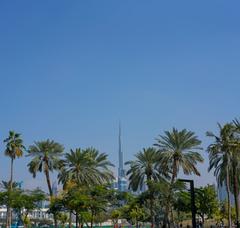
(14, 149)
(144, 170)
(236, 168)
(85, 167)
(178, 150)
(46, 158)
(220, 159)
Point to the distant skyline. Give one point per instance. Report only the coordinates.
(70, 70)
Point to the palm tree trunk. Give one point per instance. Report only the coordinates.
(174, 175)
(9, 212)
(228, 198)
(236, 195)
(151, 211)
(151, 200)
(46, 170)
(48, 182)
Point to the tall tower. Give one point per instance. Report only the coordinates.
(120, 155)
(122, 182)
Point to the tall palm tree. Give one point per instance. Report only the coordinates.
(85, 167)
(236, 168)
(143, 170)
(178, 150)
(45, 158)
(14, 149)
(220, 159)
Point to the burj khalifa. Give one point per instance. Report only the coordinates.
(122, 181)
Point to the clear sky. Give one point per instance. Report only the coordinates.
(70, 70)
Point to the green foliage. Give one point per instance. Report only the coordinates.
(206, 201)
(22, 201)
(46, 156)
(14, 145)
(62, 218)
(85, 167)
(143, 169)
(179, 149)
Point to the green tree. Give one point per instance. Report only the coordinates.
(14, 149)
(97, 202)
(133, 211)
(179, 149)
(206, 201)
(143, 171)
(22, 201)
(115, 216)
(26, 201)
(62, 218)
(45, 158)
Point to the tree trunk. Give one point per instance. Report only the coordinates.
(149, 184)
(151, 211)
(228, 198)
(203, 220)
(46, 170)
(48, 181)
(70, 219)
(9, 211)
(76, 220)
(174, 175)
(236, 194)
(92, 219)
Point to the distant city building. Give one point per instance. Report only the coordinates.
(122, 180)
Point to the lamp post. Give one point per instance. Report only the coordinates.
(193, 208)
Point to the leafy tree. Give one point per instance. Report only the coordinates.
(26, 201)
(206, 201)
(133, 211)
(62, 218)
(97, 202)
(115, 216)
(22, 201)
(14, 149)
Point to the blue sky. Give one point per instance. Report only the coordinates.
(70, 70)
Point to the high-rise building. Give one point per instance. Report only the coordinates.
(122, 181)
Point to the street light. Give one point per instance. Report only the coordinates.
(193, 208)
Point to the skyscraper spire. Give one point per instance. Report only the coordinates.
(120, 154)
(122, 182)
